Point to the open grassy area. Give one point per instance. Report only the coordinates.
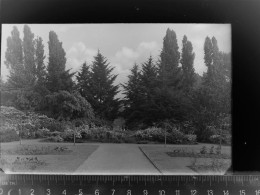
(188, 159)
(44, 157)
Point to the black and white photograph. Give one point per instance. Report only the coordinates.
(116, 99)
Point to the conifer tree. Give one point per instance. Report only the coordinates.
(148, 78)
(83, 80)
(132, 88)
(102, 89)
(149, 74)
(133, 97)
(187, 59)
(149, 83)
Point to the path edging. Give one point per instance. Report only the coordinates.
(140, 148)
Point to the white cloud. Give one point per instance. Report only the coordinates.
(78, 54)
(126, 57)
(148, 45)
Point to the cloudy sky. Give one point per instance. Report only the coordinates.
(121, 44)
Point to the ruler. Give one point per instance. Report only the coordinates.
(128, 185)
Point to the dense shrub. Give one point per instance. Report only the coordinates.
(42, 133)
(225, 139)
(63, 105)
(54, 139)
(27, 100)
(30, 124)
(176, 137)
(8, 135)
(187, 127)
(191, 138)
(173, 136)
(11, 115)
(150, 134)
(68, 135)
(119, 123)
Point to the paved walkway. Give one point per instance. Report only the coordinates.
(117, 159)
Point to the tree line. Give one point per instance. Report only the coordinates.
(158, 90)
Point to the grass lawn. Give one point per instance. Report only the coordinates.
(33, 157)
(187, 159)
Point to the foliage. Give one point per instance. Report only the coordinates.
(187, 59)
(203, 150)
(39, 60)
(99, 89)
(29, 162)
(29, 54)
(42, 133)
(188, 127)
(119, 123)
(8, 135)
(166, 90)
(30, 124)
(63, 105)
(191, 139)
(14, 60)
(57, 77)
(203, 153)
(54, 139)
(39, 149)
(83, 80)
(169, 70)
(211, 151)
(27, 100)
(133, 98)
(173, 136)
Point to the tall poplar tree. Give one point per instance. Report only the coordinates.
(14, 60)
(208, 52)
(39, 60)
(29, 55)
(169, 70)
(58, 78)
(216, 82)
(187, 59)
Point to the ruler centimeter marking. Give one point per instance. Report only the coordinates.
(128, 185)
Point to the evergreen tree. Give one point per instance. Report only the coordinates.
(102, 91)
(148, 78)
(58, 78)
(149, 83)
(169, 70)
(14, 60)
(39, 59)
(29, 55)
(133, 97)
(187, 59)
(83, 80)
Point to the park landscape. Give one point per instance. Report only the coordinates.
(165, 118)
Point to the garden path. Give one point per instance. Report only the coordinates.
(117, 159)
